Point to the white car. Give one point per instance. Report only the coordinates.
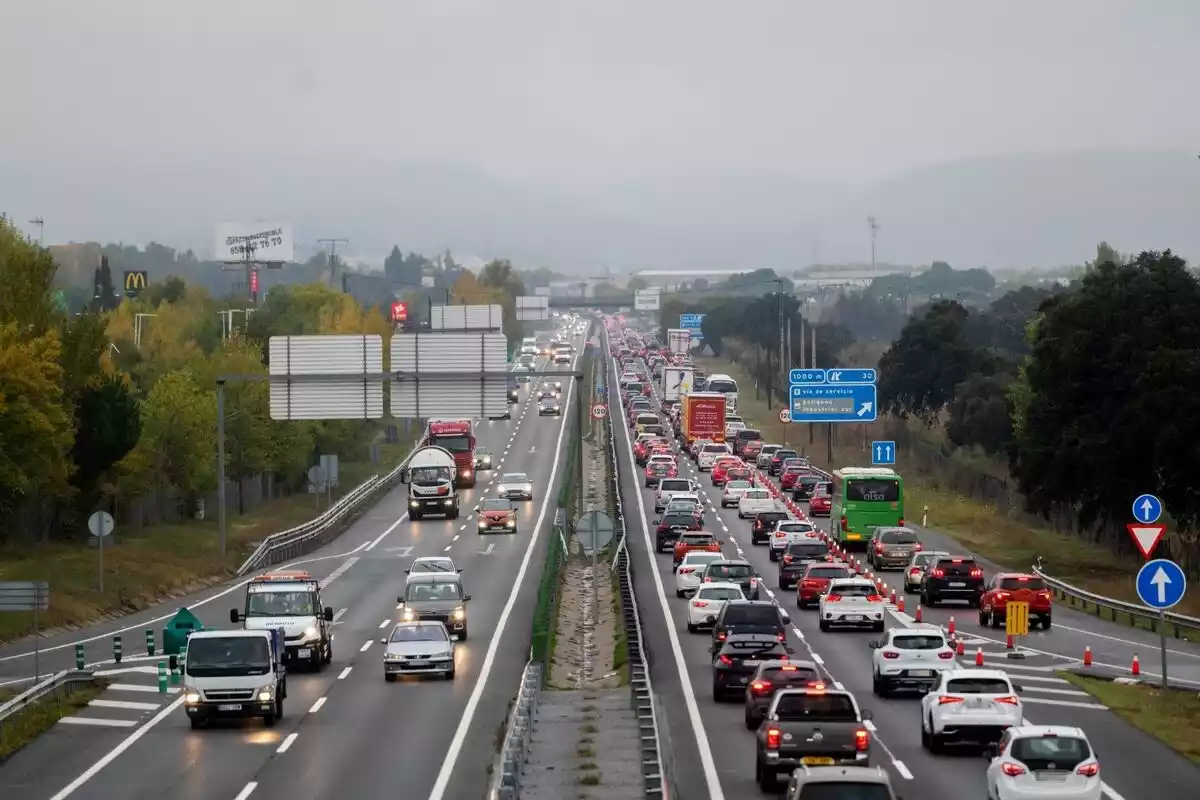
(733, 492)
(971, 705)
(687, 576)
(788, 531)
(707, 602)
(696, 446)
(754, 501)
(853, 602)
(515, 486)
(668, 488)
(732, 426)
(1044, 762)
(766, 454)
(709, 453)
(443, 565)
(910, 658)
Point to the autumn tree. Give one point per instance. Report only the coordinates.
(177, 446)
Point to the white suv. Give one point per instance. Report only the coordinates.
(969, 705)
(1044, 762)
(668, 488)
(766, 454)
(851, 602)
(910, 658)
(709, 453)
(788, 531)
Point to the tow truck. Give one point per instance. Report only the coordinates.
(290, 600)
(458, 437)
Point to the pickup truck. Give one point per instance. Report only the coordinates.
(810, 727)
(754, 501)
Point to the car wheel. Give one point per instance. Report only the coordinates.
(878, 687)
(993, 620)
(1046, 623)
(924, 736)
(389, 677)
(680, 593)
(692, 628)
(269, 718)
(773, 555)
(766, 780)
(450, 674)
(717, 696)
(823, 625)
(973, 602)
(751, 720)
(197, 723)
(983, 620)
(878, 627)
(462, 635)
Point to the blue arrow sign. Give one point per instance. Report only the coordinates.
(834, 403)
(883, 453)
(1147, 508)
(691, 322)
(1161, 583)
(849, 376)
(806, 376)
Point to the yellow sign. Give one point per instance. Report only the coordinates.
(135, 282)
(1016, 618)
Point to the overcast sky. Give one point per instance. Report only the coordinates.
(577, 96)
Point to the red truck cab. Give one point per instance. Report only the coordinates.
(458, 437)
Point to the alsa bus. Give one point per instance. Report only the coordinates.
(458, 437)
(865, 498)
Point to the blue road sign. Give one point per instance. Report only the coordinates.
(601, 390)
(883, 453)
(1161, 583)
(1147, 508)
(799, 377)
(691, 322)
(834, 403)
(849, 376)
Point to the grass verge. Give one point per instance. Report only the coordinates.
(978, 526)
(1169, 716)
(159, 561)
(32, 721)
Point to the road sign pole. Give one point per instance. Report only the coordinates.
(1162, 643)
(101, 549)
(221, 464)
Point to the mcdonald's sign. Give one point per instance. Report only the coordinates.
(135, 282)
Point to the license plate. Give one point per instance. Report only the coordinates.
(921, 673)
(743, 680)
(419, 663)
(896, 553)
(230, 707)
(304, 652)
(854, 617)
(976, 702)
(957, 584)
(1049, 776)
(817, 761)
(751, 662)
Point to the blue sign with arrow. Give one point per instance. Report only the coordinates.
(834, 403)
(691, 323)
(1161, 583)
(849, 376)
(1147, 508)
(883, 454)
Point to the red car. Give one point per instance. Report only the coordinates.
(1018, 587)
(721, 467)
(739, 473)
(751, 449)
(787, 480)
(820, 505)
(694, 543)
(815, 581)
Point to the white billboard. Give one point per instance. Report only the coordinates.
(330, 376)
(443, 375)
(464, 318)
(646, 300)
(255, 241)
(531, 308)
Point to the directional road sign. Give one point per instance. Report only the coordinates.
(785, 415)
(1161, 583)
(1146, 537)
(1147, 508)
(883, 453)
(849, 376)
(100, 523)
(691, 322)
(806, 376)
(599, 411)
(855, 403)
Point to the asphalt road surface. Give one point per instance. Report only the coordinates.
(713, 753)
(345, 732)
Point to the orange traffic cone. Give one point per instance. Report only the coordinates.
(1087, 656)
(961, 649)
(950, 627)
(917, 616)
(1009, 644)
(979, 657)
(893, 597)
(900, 603)
(1136, 668)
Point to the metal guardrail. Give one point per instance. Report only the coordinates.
(61, 682)
(1063, 590)
(509, 767)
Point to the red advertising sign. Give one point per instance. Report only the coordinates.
(399, 311)
(254, 281)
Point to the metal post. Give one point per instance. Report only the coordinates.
(1162, 643)
(149, 641)
(37, 647)
(579, 438)
(829, 445)
(117, 648)
(595, 569)
(221, 463)
(162, 677)
(79, 656)
(812, 364)
(101, 550)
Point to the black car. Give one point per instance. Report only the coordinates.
(772, 676)
(749, 616)
(514, 389)
(668, 528)
(953, 578)
(796, 558)
(738, 658)
(803, 488)
(777, 459)
(764, 523)
(733, 571)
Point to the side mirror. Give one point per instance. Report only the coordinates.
(400, 601)
(234, 616)
(404, 476)
(785, 616)
(383, 640)
(873, 645)
(791, 650)
(476, 509)
(466, 598)
(720, 541)
(656, 522)
(328, 614)
(407, 571)
(1019, 689)
(866, 714)
(459, 570)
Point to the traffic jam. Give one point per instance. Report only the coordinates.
(772, 561)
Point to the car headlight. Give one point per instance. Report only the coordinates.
(409, 615)
(392, 657)
(512, 523)
(265, 693)
(191, 698)
(311, 632)
(466, 473)
(460, 614)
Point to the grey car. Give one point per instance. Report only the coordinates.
(549, 406)
(436, 598)
(418, 648)
(892, 548)
(914, 573)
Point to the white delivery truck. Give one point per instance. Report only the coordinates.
(236, 673)
(679, 340)
(430, 478)
(723, 384)
(290, 601)
(676, 381)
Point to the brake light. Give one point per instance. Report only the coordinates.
(708, 580)
(1008, 700)
(874, 598)
(760, 687)
(1001, 595)
(726, 660)
(915, 571)
(816, 686)
(977, 573)
(946, 655)
(879, 547)
(810, 583)
(832, 598)
(699, 604)
(787, 559)
(721, 636)
(901, 524)
(773, 738)
(1022, 577)
(890, 654)
(1089, 770)
(1012, 770)
(937, 573)
(754, 581)
(919, 546)
(1044, 595)
(946, 700)
(845, 524)
(686, 570)
(862, 740)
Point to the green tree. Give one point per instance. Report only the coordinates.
(108, 425)
(980, 414)
(178, 445)
(26, 283)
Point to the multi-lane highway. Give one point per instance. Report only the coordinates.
(347, 733)
(713, 754)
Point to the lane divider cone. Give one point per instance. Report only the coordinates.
(1136, 668)
(962, 648)
(1008, 644)
(893, 597)
(979, 657)
(900, 603)
(950, 627)
(917, 616)
(1087, 656)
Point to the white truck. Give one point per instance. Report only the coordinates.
(430, 478)
(290, 601)
(236, 673)
(679, 340)
(676, 381)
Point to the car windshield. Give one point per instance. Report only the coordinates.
(815, 707)
(790, 675)
(495, 504)
(752, 615)
(297, 603)
(898, 537)
(455, 444)
(784, 454)
(419, 633)
(704, 539)
(808, 549)
(715, 448)
(694, 558)
(737, 485)
(747, 434)
(925, 559)
(549, 401)
(828, 572)
(683, 520)
(732, 572)
(845, 790)
(1039, 752)
(756, 494)
(433, 565)
(230, 655)
(426, 592)
(515, 477)
(769, 449)
(911, 641)
(483, 451)
(978, 686)
(797, 527)
(770, 516)
(719, 593)
(1012, 584)
(675, 485)
(852, 590)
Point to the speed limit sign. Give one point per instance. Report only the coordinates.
(785, 415)
(599, 411)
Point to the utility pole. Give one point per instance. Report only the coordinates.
(874, 227)
(333, 243)
(41, 225)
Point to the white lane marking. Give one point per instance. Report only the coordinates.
(133, 687)
(1060, 626)
(128, 705)
(462, 527)
(320, 702)
(384, 624)
(902, 768)
(366, 645)
(339, 572)
(247, 790)
(99, 723)
(342, 675)
(446, 549)
(455, 538)
(113, 754)
(286, 744)
(838, 685)
(464, 724)
(869, 725)
(341, 612)
(391, 528)
(817, 658)
(491, 546)
(360, 548)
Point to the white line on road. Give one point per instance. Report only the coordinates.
(99, 723)
(286, 744)
(320, 701)
(128, 705)
(391, 528)
(247, 790)
(133, 687)
(342, 675)
(454, 538)
(366, 645)
(446, 549)
(902, 768)
(341, 612)
(384, 624)
(817, 658)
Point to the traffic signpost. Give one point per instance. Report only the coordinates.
(1161, 584)
(1146, 537)
(785, 416)
(1147, 509)
(691, 323)
(833, 395)
(883, 454)
(27, 596)
(1016, 623)
(599, 411)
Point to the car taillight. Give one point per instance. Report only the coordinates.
(937, 573)
(946, 655)
(1001, 596)
(686, 570)
(862, 740)
(901, 525)
(1089, 770)
(976, 573)
(721, 636)
(1044, 594)
(946, 700)
(773, 738)
(890, 654)
(760, 687)
(832, 598)
(1012, 770)
(754, 581)
(915, 571)
(700, 603)
(919, 546)
(879, 547)
(845, 524)
(708, 580)
(808, 583)
(787, 559)
(874, 598)
(1008, 700)
(726, 660)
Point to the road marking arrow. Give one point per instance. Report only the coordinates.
(866, 409)
(1161, 581)
(489, 550)
(1146, 537)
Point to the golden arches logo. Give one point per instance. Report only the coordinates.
(135, 281)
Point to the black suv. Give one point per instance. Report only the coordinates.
(738, 658)
(764, 523)
(772, 676)
(733, 571)
(952, 578)
(796, 559)
(803, 488)
(749, 616)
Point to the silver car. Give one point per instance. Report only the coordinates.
(418, 648)
(515, 486)
(733, 492)
(914, 573)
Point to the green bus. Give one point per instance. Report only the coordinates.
(863, 499)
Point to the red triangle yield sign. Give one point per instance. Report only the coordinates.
(1145, 536)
